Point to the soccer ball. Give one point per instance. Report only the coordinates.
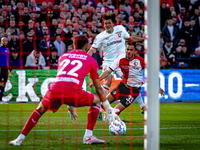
(117, 128)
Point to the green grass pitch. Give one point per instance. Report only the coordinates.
(179, 128)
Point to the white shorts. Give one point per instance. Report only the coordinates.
(106, 65)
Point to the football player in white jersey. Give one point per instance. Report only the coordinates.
(112, 42)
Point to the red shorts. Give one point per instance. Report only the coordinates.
(50, 102)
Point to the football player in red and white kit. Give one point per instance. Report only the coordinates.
(67, 89)
(129, 88)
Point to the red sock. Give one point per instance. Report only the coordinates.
(92, 116)
(32, 121)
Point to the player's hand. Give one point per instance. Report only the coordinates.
(91, 85)
(71, 113)
(111, 116)
(11, 73)
(162, 92)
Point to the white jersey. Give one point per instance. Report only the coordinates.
(113, 44)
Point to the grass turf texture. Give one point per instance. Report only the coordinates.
(179, 128)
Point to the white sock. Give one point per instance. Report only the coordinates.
(106, 88)
(21, 136)
(88, 132)
(140, 101)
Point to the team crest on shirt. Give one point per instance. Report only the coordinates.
(135, 63)
(119, 34)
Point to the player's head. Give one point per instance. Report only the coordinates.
(109, 21)
(130, 51)
(81, 42)
(4, 42)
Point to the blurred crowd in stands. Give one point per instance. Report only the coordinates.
(39, 33)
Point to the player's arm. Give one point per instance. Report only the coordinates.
(91, 51)
(105, 74)
(135, 39)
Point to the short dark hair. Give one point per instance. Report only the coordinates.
(110, 15)
(54, 49)
(80, 41)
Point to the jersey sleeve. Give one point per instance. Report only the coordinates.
(97, 42)
(94, 69)
(115, 64)
(125, 34)
(142, 62)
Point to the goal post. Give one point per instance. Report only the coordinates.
(152, 55)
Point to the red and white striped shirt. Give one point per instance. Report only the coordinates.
(132, 70)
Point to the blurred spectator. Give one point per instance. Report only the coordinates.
(164, 14)
(161, 41)
(60, 45)
(14, 43)
(99, 5)
(33, 6)
(25, 15)
(123, 12)
(182, 14)
(163, 60)
(140, 49)
(195, 58)
(169, 32)
(107, 6)
(168, 3)
(28, 46)
(38, 16)
(183, 57)
(178, 4)
(35, 59)
(169, 50)
(12, 29)
(45, 45)
(30, 26)
(127, 7)
(54, 58)
(2, 31)
(189, 33)
(15, 60)
(137, 17)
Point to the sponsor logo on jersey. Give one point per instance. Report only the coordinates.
(114, 42)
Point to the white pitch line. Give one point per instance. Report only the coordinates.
(105, 129)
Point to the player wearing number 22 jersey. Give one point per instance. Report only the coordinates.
(67, 89)
(72, 69)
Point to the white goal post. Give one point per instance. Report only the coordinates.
(152, 60)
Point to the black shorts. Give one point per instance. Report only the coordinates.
(3, 75)
(124, 94)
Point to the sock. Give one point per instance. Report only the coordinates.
(21, 136)
(92, 116)
(32, 121)
(88, 132)
(106, 88)
(1, 92)
(140, 101)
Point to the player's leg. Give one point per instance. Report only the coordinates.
(92, 118)
(31, 122)
(141, 103)
(108, 79)
(3, 80)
